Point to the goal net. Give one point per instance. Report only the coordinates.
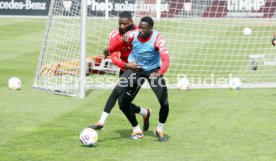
(209, 41)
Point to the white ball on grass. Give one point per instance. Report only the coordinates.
(247, 31)
(14, 83)
(235, 83)
(183, 84)
(88, 137)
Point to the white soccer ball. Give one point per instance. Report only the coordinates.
(88, 137)
(183, 84)
(14, 83)
(235, 83)
(247, 31)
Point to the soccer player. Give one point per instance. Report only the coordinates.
(119, 52)
(148, 48)
(274, 40)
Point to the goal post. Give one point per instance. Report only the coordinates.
(58, 68)
(83, 49)
(209, 41)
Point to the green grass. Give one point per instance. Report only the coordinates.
(203, 125)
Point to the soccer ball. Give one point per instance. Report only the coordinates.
(235, 83)
(247, 31)
(183, 84)
(14, 83)
(88, 137)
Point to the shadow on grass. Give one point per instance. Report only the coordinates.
(88, 146)
(88, 92)
(123, 133)
(150, 133)
(126, 133)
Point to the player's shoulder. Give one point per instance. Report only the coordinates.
(157, 35)
(114, 33)
(159, 39)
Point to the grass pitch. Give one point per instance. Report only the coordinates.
(203, 125)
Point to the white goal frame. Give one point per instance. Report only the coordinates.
(189, 29)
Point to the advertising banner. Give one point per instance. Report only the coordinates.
(166, 8)
(24, 7)
(149, 7)
(241, 9)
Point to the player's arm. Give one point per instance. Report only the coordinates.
(132, 63)
(117, 61)
(161, 46)
(274, 40)
(133, 66)
(112, 48)
(114, 44)
(128, 37)
(123, 65)
(106, 52)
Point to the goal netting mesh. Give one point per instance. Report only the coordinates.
(209, 41)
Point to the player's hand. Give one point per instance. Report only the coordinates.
(106, 53)
(133, 66)
(154, 75)
(127, 36)
(274, 40)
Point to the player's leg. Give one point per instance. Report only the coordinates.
(132, 91)
(130, 95)
(158, 85)
(107, 109)
(124, 104)
(119, 89)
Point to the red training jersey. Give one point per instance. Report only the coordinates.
(119, 50)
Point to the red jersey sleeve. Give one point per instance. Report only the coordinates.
(161, 46)
(117, 61)
(115, 44)
(115, 41)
